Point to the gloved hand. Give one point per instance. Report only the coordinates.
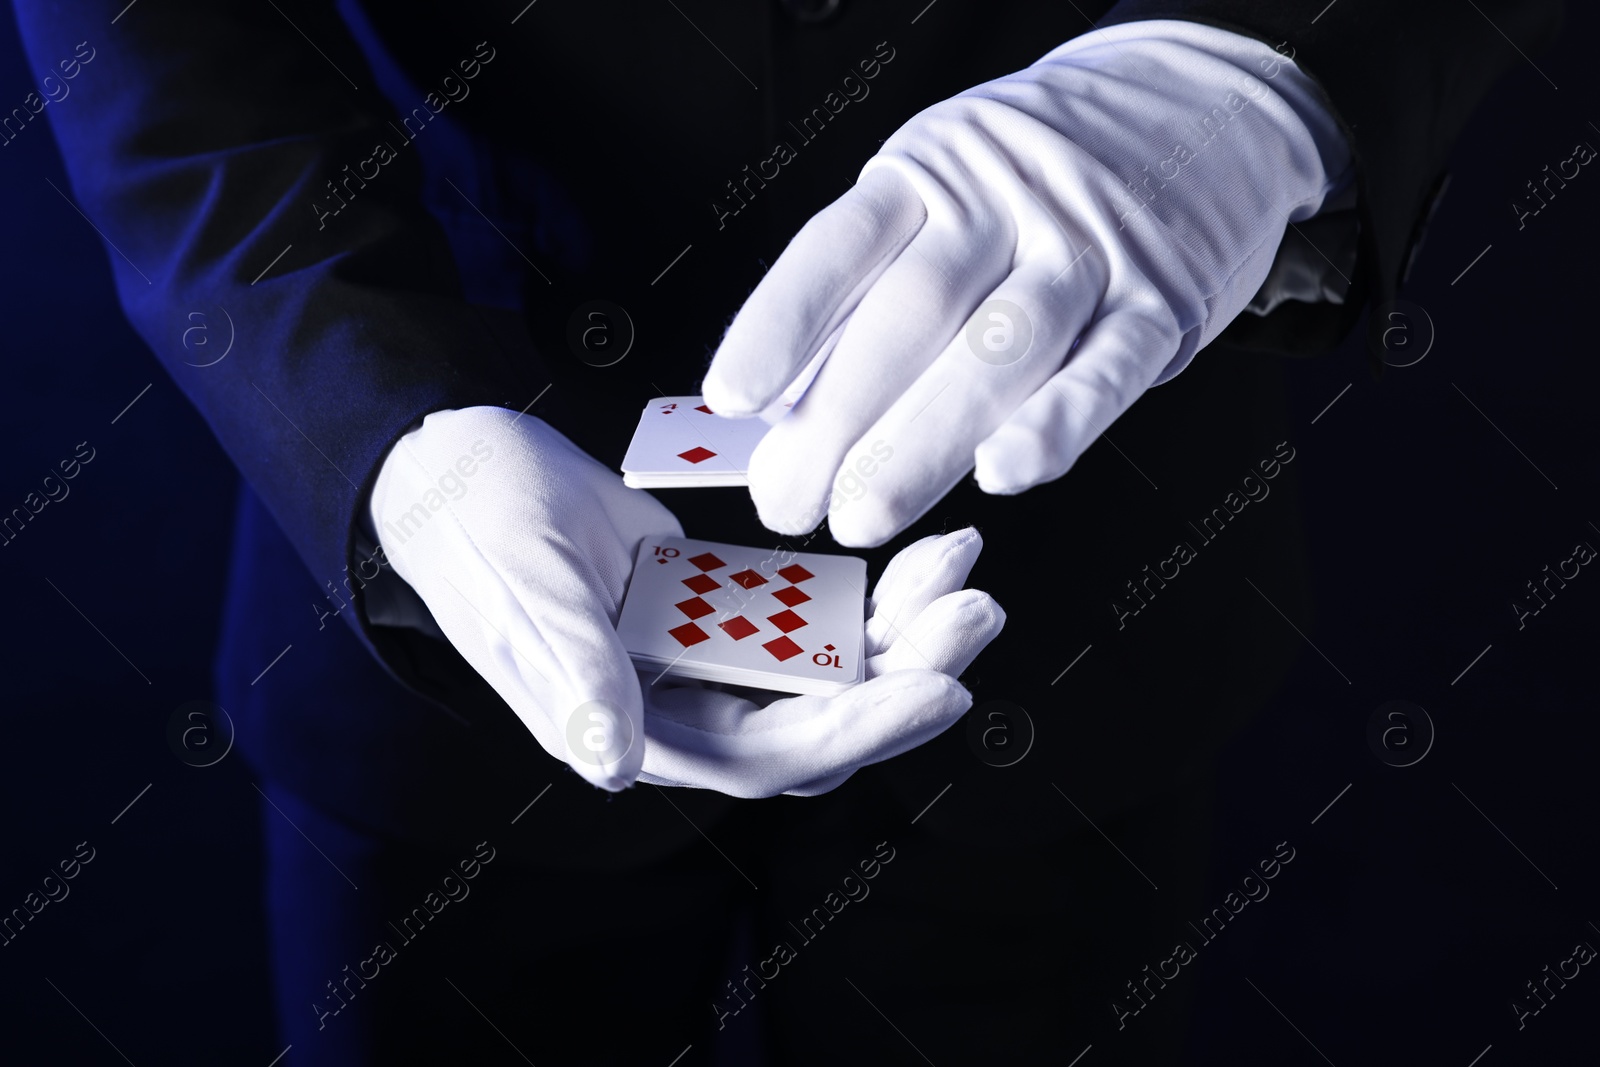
(922, 631)
(521, 547)
(1017, 265)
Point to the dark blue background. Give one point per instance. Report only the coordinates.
(1400, 932)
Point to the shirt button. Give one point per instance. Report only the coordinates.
(811, 10)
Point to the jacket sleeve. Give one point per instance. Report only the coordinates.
(1402, 77)
(202, 141)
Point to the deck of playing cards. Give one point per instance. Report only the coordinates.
(681, 443)
(785, 621)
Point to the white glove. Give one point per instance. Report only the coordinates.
(521, 547)
(1077, 208)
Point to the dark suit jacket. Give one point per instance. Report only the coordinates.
(580, 151)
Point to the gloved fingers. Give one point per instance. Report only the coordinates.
(567, 676)
(646, 778)
(945, 636)
(809, 291)
(915, 577)
(820, 786)
(632, 513)
(1004, 350)
(900, 326)
(522, 557)
(714, 740)
(1115, 362)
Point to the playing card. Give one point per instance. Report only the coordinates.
(681, 442)
(768, 618)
